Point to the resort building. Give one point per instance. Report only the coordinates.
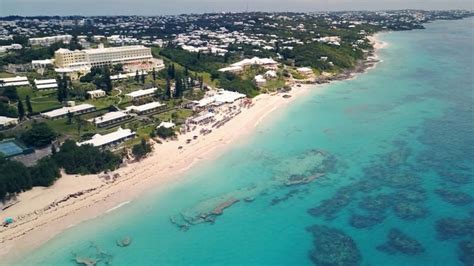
(65, 58)
(109, 140)
(148, 108)
(47, 41)
(266, 63)
(76, 110)
(14, 46)
(39, 64)
(142, 94)
(127, 75)
(307, 71)
(109, 119)
(219, 98)
(14, 81)
(202, 119)
(169, 124)
(6, 122)
(94, 94)
(260, 80)
(44, 84)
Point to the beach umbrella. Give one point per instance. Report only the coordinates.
(8, 220)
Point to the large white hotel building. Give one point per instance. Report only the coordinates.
(88, 58)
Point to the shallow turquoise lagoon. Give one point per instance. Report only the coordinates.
(392, 152)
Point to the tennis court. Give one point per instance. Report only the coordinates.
(10, 148)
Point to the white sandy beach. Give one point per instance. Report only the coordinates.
(166, 164)
(38, 220)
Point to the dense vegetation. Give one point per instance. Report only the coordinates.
(233, 82)
(165, 133)
(16, 178)
(85, 159)
(198, 62)
(27, 54)
(141, 149)
(40, 135)
(310, 55)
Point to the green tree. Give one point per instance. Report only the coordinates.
(79, 124)
(21, 110)
(178, 90)
(85, 159)
(142, 76)
(141, 150)
(154, 74)
(28, 104)
(11, 93)
(168, 88)
(136, 76)
(40, 135)
(70, 116)
(107, 81)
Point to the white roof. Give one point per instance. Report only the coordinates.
(202, 117)
(255, 61)
(231, 69)
(127, 75)
(7, 120)
(260, 78)
(271, 73)
(166, 125)
(222, 96)
(42, 62)
(92, 92)
(14, 79)
(304, 69)
(47, 86)
(44, 81)
(64, 110)
(141, 92)
(115, 49)
(99, 140)
(144, 107)
(108, 117)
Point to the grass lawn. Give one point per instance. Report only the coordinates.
(273, 85)
(40, 100)
(4, 74)
(180, 115)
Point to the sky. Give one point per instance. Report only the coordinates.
(166, 7)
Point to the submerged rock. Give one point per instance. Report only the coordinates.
(86, 261)
(449, 228)
(466, 252)
(400, 242)
(124, 242)
(458, 198)
(330, 207)
(377, 203)
(364, 221)
(409, 211)
(459, 179)
(411, 194)
(333, 247)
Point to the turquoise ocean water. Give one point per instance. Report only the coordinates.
(392, 150)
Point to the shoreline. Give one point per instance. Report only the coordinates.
(46, 212)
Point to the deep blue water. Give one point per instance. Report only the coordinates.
(394, 154)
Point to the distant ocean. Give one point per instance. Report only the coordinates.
(377, 170)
